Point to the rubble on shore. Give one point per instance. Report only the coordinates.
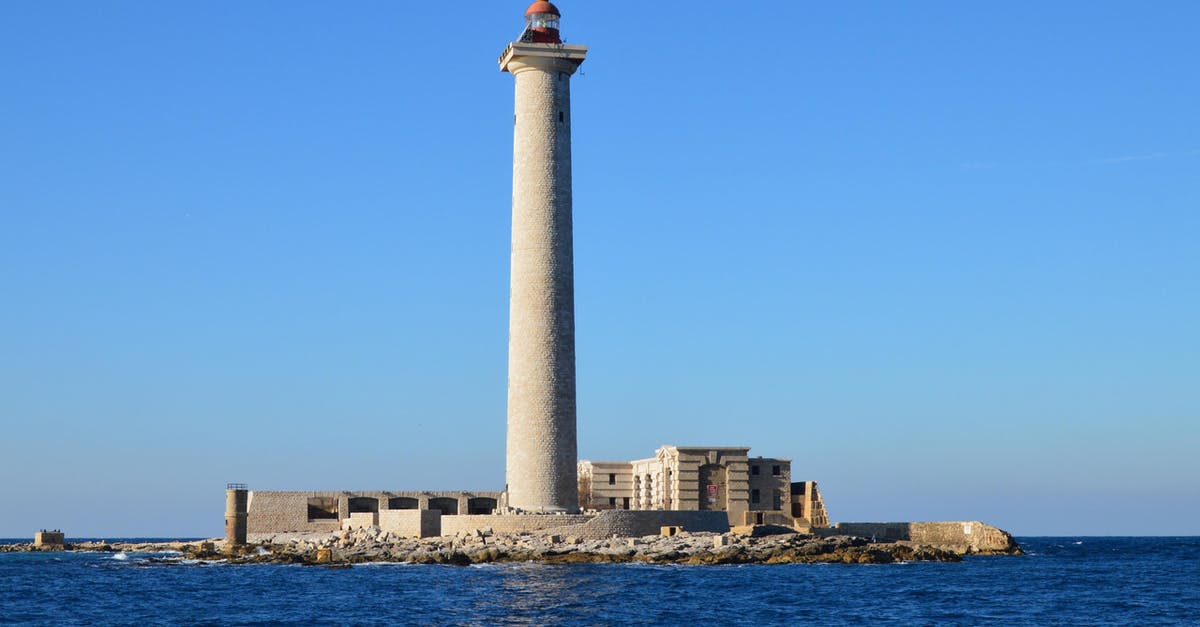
(481, 547)
(752, 546)
(103, 546)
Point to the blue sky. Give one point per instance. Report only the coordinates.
(943, 255)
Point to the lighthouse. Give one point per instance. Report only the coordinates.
(540, 471)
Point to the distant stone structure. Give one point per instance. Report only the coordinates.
(725, 479)
(236, 515)
(960, 536)
(46, 540)
(401, 512)
(541, 457)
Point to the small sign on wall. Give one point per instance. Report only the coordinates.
(712, 490)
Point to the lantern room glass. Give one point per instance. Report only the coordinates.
(543, 20)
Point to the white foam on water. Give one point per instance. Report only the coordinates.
(120, 556)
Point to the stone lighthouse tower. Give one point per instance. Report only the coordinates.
(541, 460)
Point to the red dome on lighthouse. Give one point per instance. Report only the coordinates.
(541, 24)
(541, 6)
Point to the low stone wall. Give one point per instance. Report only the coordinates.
(637, 523)
(412, 523)
(618, 522)
(964, 537)
(279, 511)
(361, 520)
(508, 523)
(767, 518)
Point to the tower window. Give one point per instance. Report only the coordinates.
(775, 470)
(561, 117)
(754, 470)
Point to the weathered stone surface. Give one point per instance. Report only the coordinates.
(965, 537)
(541, 454)
(375, 545)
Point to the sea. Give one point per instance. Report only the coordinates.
(1060, 581)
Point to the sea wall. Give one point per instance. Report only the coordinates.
(412, 523)
(284, 512)
(638, 523)
(508, 523)
(965, 537)
(606, 524)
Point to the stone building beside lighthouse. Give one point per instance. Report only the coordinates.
(698, 489)
(748, 490)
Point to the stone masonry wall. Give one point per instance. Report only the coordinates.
(622, 523)
(276, 512)
(973, 535)
(508, 523)
(541, 451)
(635, 523)
(413, 523)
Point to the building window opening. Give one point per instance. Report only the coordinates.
(777, 503)
(403, 502)
(481, 505)
(612, 478)
(322, 508)
(625, 503)
(447, 506)
(561, 117)
(775, 470)
(754, 496)
(364, 505)
(754, 470)
(612, 502)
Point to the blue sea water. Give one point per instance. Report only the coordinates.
(1062, 581)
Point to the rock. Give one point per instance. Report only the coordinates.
(690, 548)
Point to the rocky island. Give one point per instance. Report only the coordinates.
(761, 544)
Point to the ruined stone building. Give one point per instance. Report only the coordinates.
(276, 511)
(756, 490)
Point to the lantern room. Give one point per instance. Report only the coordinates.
(541, 24)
